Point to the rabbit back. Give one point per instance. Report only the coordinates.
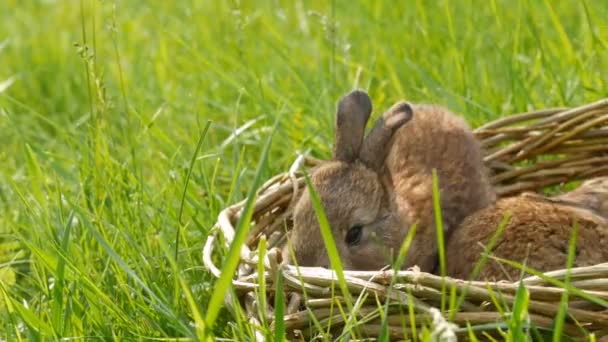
(537, 234)
(435, 139)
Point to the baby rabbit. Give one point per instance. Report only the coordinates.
(375, 188)
(537, 235)
(592, 195)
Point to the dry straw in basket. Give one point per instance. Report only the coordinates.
(525, 152)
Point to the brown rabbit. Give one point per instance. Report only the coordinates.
(591, 194)
(375, 188)
(537, 234)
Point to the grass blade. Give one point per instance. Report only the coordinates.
(563, 36)
(440, 237)
(29, 318)
(279, 302)
(183, 199)
(519, 314)
(563, 305)
(242, 228)
(330, 244)
(261, 290)
(60, 276)
(199, 323)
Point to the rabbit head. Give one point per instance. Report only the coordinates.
(592, 194)
(351, 191)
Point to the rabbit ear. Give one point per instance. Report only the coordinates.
(354, 110)
(374, 148)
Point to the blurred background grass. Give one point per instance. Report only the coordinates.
(102, 104)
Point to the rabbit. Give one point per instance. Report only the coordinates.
(376, 187)
(591, 194)
(537, 234)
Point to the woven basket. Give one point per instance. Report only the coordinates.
(525, 152)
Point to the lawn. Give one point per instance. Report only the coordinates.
(103, 105)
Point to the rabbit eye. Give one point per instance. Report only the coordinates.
(353, 236)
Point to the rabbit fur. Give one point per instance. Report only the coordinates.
(376, 187)
(537, 234)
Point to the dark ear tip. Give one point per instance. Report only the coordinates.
(398, 115)
(356, 100)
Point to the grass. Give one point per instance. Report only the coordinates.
(103, 103)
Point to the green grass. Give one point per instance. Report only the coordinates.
(103, 104)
